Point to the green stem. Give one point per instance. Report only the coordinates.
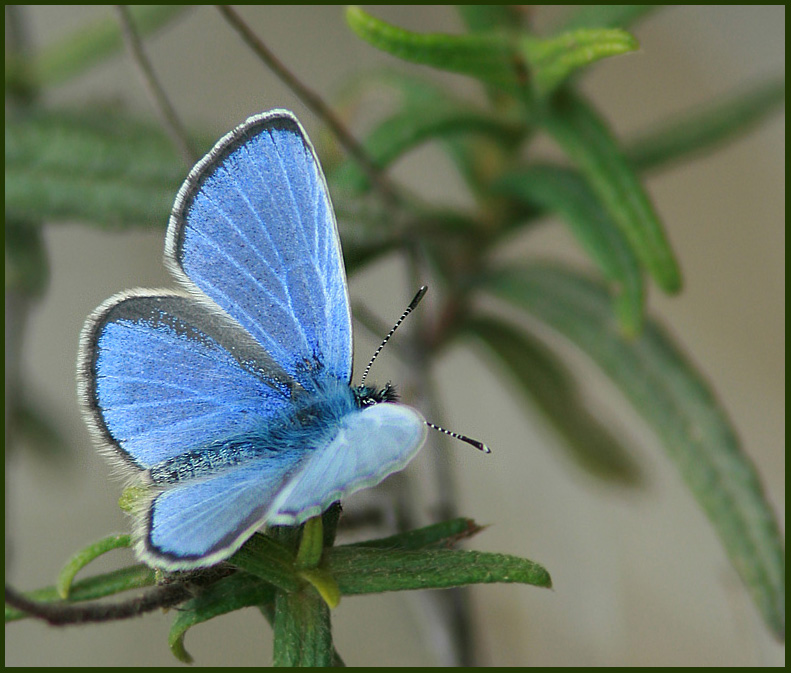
(303, 636)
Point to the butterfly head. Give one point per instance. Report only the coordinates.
(369, 395)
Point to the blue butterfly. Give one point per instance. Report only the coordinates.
(231, 401)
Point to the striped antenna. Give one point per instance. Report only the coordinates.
(472, 442)
(420, 293)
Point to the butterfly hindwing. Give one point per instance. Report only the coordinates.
(192, 524)
(253, 228)
(198, 523)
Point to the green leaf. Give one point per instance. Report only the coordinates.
(104, 169)
(324, 583)
(87, 47)
(551, 61)
(590, 144)
(303, 636)
(360, 570)
(605, 16)
(229, 594)
(91, 588)
(83, 557)
(563, 191)
(479, 155)
(413, 125)
(701, 130)
(487, 57)
(311, 545)
(269, 560)
(674, 399)
(443, 534)
(546, 382)
(496, 58)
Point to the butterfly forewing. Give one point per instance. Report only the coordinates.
(161, 375)
(253, 228)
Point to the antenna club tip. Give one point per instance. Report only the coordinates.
(462, 438)
(420, 294)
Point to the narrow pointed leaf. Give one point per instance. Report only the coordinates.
(675, 400)
(496, 57)
(311, 544)
(324, 583)
(83, 557)
(479, 155)
(443, 534)
(488, 57)
(229, 594)
(89, 46)
(605, 16)
(360, 570)
(545, 382)
(551, 61)
(411, 126)
(91, 588)
(591, 145)
(102, 169)
(303, 636)
(563, 191)
(706, 128)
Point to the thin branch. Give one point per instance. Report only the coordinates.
(163, 596)
(64, 614)
(314, 102)
(173, 125)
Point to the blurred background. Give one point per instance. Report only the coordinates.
(639, 576)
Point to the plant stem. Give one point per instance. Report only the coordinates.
(173, 125)
(303, 636)
(314, 102)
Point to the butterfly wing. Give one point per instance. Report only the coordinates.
(253, 228)
(196, 524)
(160, 375)
(370, 444)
